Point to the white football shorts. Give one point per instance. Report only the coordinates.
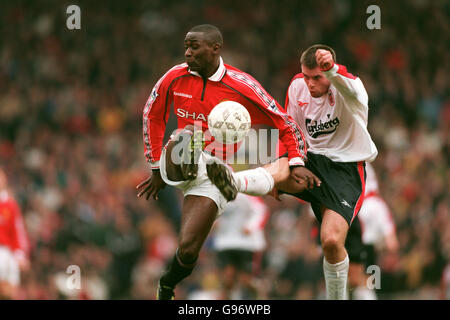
(201, 186)
(9, 268)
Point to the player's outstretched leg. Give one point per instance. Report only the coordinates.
(198, 216)
(255, 182)
(191, 154)
(222, 176)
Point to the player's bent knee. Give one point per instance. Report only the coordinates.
(331, 242)
(187, 256)
(188, 251)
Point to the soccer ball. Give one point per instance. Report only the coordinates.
(229, 122)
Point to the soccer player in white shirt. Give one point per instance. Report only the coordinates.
(378, 233)
(240, 241)
(331, 107)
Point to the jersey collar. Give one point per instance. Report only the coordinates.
(218, 75)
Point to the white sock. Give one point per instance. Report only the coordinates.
(363, 293)
(336, 279)
(254, 182)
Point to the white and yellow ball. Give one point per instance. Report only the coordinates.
(229, 122)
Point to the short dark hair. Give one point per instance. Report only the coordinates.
(308, 57)
(212, 33)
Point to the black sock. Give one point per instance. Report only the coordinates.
(176, 272)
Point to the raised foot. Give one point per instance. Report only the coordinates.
(191, 155)
(223, 179)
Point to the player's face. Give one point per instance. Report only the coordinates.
(317, 83)
(199, 54)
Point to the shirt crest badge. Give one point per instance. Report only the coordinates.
(331, 98)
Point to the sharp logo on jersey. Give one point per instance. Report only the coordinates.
(316, 129)
(331, 98)
(301, 104)
(194, 116)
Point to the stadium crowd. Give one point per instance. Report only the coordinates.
(71, 106)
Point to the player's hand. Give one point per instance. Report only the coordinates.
(324, 59)
(275, 193)
(151, 186)
(24, 265)
(302, 175)
(22, 261)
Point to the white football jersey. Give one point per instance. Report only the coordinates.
(335, 124)
(245, 212)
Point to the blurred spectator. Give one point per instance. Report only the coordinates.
(378, 236)
(240, 242)
(14, 244)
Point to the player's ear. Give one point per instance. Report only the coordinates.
(216, 47)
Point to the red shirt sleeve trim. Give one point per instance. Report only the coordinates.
(343, 72)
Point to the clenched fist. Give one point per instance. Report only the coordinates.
(324, 59)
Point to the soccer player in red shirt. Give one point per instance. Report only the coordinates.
(194, 88)
(14, 244)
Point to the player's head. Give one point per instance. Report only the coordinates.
(202, 46)
(316, 81)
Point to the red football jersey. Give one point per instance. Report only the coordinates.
(12, 229)
(194, 97)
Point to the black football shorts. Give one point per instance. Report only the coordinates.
(342, 188)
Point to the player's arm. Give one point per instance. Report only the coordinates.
(294, 141)
(386, 226)
(291, 110)
(155, 116)
(289, 131)
(20, 241)
(265, 110)
(389, 230)
(349, 86)
(290, 106)
(391, 242)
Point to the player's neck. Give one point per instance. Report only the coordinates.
(211, 70)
